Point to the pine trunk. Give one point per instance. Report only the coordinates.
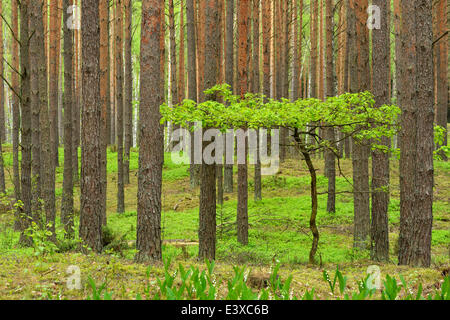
(243, 66)
(67, 216)
(104, 98)
(416, 138)
(330, 165)
(91, 208)
(229, 63)
(192, 79)
(26, 122)
(207, 223)
(380, 160)
(119, 101)
(128, 90)
(15, 107)
(151, 134)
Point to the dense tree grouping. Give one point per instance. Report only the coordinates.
(355, 79)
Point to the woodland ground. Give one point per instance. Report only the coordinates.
(278, 232)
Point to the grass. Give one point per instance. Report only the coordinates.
(279, 233)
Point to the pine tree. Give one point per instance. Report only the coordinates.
(91, 208)
(416, 137)
(151, 134)
(380, 161)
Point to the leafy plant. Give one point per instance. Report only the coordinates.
(337, 276)
(42, 245)
(391, 289)
(100, 293)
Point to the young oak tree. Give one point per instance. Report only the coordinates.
(350, 112)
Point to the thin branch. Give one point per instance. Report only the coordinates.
(442, 35)
(12, 89)
(10, 29)
(12, 67)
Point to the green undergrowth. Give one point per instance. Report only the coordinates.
(279, 234)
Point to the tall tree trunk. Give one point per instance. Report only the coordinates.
(256, 89)
(360, 81)
(119, 101)
(35, 14)
(15, 107)
(349, 40)
(192, 79)
(201, 47)
(91, 208)
(416, 137)
(321, 52)
(398, 53)
(221, 78)
(200, 24)
(151, 134)
(2, 104)
(207, 223)
(283, 68)
(76, 107)
(295, 62)
(267, 30)
(380, 161)
(181, 59)
(243, 66)
(313, 56)
(55, 43)
(173, 65)
(340, 67)
(330, 165)
(2, 89)
(104, 99)
(26, 122)
(67, 216)
(128, 90)
(113, 74)
(47, 173)
(229, 63)
(441, 56)
(109, 74)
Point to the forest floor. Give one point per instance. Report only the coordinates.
(279, 232)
